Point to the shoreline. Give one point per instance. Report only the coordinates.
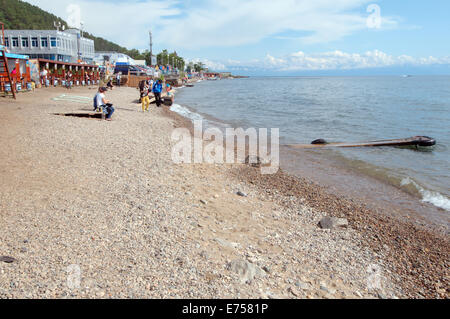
(380, 191)
(382, 231)
(143, 227)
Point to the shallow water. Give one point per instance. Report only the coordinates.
(349, 109)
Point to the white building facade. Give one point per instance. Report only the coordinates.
(64, 46)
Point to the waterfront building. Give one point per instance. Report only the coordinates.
(64, 46)
(110, 57)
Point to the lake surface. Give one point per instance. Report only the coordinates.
(343, 109)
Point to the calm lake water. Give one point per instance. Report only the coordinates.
(347, 109)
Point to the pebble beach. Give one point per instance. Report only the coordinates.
(98, 209)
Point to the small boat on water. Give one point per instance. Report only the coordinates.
(416, 141)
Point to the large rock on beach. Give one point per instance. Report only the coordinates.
(333, 222)
(246, 270)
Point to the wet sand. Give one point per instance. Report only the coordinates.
(344, 180)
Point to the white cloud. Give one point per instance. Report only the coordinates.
(336, 60)
(125, 23)
(223, 23)
(236, 22)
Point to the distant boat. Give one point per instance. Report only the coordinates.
(406, 76)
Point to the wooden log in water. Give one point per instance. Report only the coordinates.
(423, 141)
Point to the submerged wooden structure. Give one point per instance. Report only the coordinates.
(422, 141)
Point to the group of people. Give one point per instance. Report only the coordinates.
(148, 87)
(68, 78)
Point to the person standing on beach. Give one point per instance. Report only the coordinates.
(157, 89)
(150, 86)
(118, 78)
(44, 74)
(69, 80)
(145, 98)
(101, 102)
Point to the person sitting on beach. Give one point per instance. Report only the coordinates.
(100, 102)
(169, 91)
(145, 98)
(157, 89)
(109, 85)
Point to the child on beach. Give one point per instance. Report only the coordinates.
(101, 102)
(145, 98)
(169, 91)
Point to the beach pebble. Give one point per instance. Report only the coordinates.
(7, 259)
(246, 270)
(302, 285)
(333, 222)
(294, 291)
(225, 243)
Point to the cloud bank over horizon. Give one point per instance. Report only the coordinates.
(335, 60)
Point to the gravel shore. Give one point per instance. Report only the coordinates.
(97, 209)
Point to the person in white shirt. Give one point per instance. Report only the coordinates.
(101, 102)
(119, 78)
(44, 77)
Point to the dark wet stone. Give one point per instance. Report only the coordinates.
(7, 259)
(241, 194)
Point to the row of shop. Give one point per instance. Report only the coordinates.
(29, 73)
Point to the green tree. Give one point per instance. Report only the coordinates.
(163, 57)
(199, 67)
(190, 67)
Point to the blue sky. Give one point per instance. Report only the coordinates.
(283, 36)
